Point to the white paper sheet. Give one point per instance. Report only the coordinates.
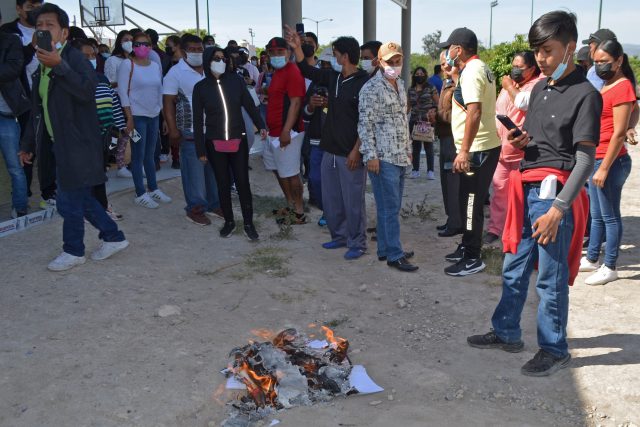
(361, 381)
(318, 344)
(276, 142)
(233, 384)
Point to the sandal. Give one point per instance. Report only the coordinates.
(282, 211)
(292, 219)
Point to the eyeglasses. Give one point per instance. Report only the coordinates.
(138, 44)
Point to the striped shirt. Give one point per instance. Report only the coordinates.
(109, 108)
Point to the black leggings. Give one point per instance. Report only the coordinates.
(100, 193)
(239, 165)
(428, 149)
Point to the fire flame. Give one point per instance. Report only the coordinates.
(260, 387)
(265, 334)
(337, 343)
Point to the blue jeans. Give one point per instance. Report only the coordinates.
(388, 186)
(143, 153)
(10, 145)
(552, 284)
(198, 182)
(76, 205)
(606, 219)
(315, 175)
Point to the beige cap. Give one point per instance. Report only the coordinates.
(389, 50)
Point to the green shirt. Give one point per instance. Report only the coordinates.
(43, 90)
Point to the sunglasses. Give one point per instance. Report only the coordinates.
(138, 44)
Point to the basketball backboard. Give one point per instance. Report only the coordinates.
(100, 13)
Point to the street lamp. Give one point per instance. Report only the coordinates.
(317, 23)
(493, 4)
(531, 13)
(600, 15)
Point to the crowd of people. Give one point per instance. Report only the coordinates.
(336, 119)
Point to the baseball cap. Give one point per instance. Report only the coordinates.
(389, 50)
(326, 54)
(463, 37)
(583, 54)
(277, 42)
(599, 36)
(243, 50)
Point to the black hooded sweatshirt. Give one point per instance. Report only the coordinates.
(220, 101)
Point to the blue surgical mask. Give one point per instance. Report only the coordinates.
(105, 55)
(94, 63)
(278, 62)
(450, 61)
(334, 64)
(562, 67)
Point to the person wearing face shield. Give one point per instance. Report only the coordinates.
(64, 119)
(343, 176)
(548, 204)
(513, 102)
(383, 128)
(198, 180)
(220, 135)
(478, 146)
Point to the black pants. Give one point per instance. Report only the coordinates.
(100, 193)
(450, 182)
(474, 189)
(428, 149)
(239, 165)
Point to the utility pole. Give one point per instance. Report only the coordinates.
(252, 34)
(208, 20)
(531, 13)
(600, 15)
(493, 4)
(197, 19)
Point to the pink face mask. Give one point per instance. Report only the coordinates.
(142, 51)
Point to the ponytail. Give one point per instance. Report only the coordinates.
(627, 70)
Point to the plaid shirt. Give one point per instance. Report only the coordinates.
(383, 126)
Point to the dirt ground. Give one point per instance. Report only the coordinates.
(89, 348)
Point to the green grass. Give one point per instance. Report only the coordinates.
(269, 261)
(493, 258)
(265, 205)
(421, 210)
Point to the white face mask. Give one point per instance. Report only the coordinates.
(367, 65)
(392, 72)
(334, 64)
(94, 63)
(194, 59)
(218, 68)
(127, 46)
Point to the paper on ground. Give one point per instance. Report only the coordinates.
(360, 380)
(234, 384)
(318, 344)
(276, 142)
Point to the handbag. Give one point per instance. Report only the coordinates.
(227, 145)
(423, 131)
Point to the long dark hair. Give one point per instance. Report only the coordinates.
(413, 76)
(614, 48)
(117, 49)
(530, 61)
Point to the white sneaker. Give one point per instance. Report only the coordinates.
(65, 261)
(588, 266)
(430, 176)
(603, 276)
(414, 174)
(48, 203)
(124, 173)
(159, 196)
(146, 201)
(164, 158)
(107, 249)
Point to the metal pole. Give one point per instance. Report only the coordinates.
(208, 25)
(318, 31)
(369, 20)
(406, 42)
(291, 12)
(600, 15)
(197, 19)
(531, 13)
(490, 24)
(150, 17)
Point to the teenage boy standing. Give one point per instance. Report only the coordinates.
(548, 206)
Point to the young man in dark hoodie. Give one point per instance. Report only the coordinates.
(343, 174)
(63, 129)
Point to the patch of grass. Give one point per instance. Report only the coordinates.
(334, 323)
(282, 297)
(284, 233)
(269, 261)
(421, 210)
(493, 258)
(265, 205)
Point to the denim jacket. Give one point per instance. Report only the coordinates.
(383, 126)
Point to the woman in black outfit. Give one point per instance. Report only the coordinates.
(220, 97)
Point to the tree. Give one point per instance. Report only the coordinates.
(430, 44)
(500, 56)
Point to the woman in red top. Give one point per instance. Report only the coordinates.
(613, 164)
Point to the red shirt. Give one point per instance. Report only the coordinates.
(619, 94)
(286, 83)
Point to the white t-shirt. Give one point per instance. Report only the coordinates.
(181, 78)
(145, 96)
(27, 39)
(111, 68)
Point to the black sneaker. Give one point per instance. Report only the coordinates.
(403, 265)
(544, 364)
(457, 255)
(491, 340)
(228, 229)
(407, 255)
(251, 233)
(442, 227)
(465, 267)
(175, 164)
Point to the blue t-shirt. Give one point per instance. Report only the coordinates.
(436, 81)
(596, 81)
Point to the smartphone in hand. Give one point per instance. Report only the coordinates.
(508, 123)
(43, 40)
(135, 136)
(300, 29)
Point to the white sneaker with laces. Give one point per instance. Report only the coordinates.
(414, 174)
(65, 261)
(108, 249)
(123, 173)
(146, 201)
(159, 196)
(603, 276)
(588, 266)
(430, 176)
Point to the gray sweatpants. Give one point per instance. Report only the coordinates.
(343, 201)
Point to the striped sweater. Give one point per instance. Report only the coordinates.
(109, 108)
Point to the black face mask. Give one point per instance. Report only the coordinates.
(308, 50)
(32, 16)
(604, 71)
(419, 79)
(517, 74)
(168, 50)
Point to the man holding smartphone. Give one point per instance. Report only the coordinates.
(64, 131)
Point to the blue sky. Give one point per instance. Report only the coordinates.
(232, 18)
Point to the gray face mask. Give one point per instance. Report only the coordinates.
(194, 59)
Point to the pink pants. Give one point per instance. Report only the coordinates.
(499, 202)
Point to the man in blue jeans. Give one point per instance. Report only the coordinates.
(198, 180)
(64, 117)
(547, 210)
(13, 103)
(386, 149)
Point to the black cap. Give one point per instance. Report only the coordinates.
(599, 36)
(277, 42)
(583, 54)
(463, 37)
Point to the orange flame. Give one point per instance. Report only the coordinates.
(265, 334)
(337, 343)
(260, 388)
